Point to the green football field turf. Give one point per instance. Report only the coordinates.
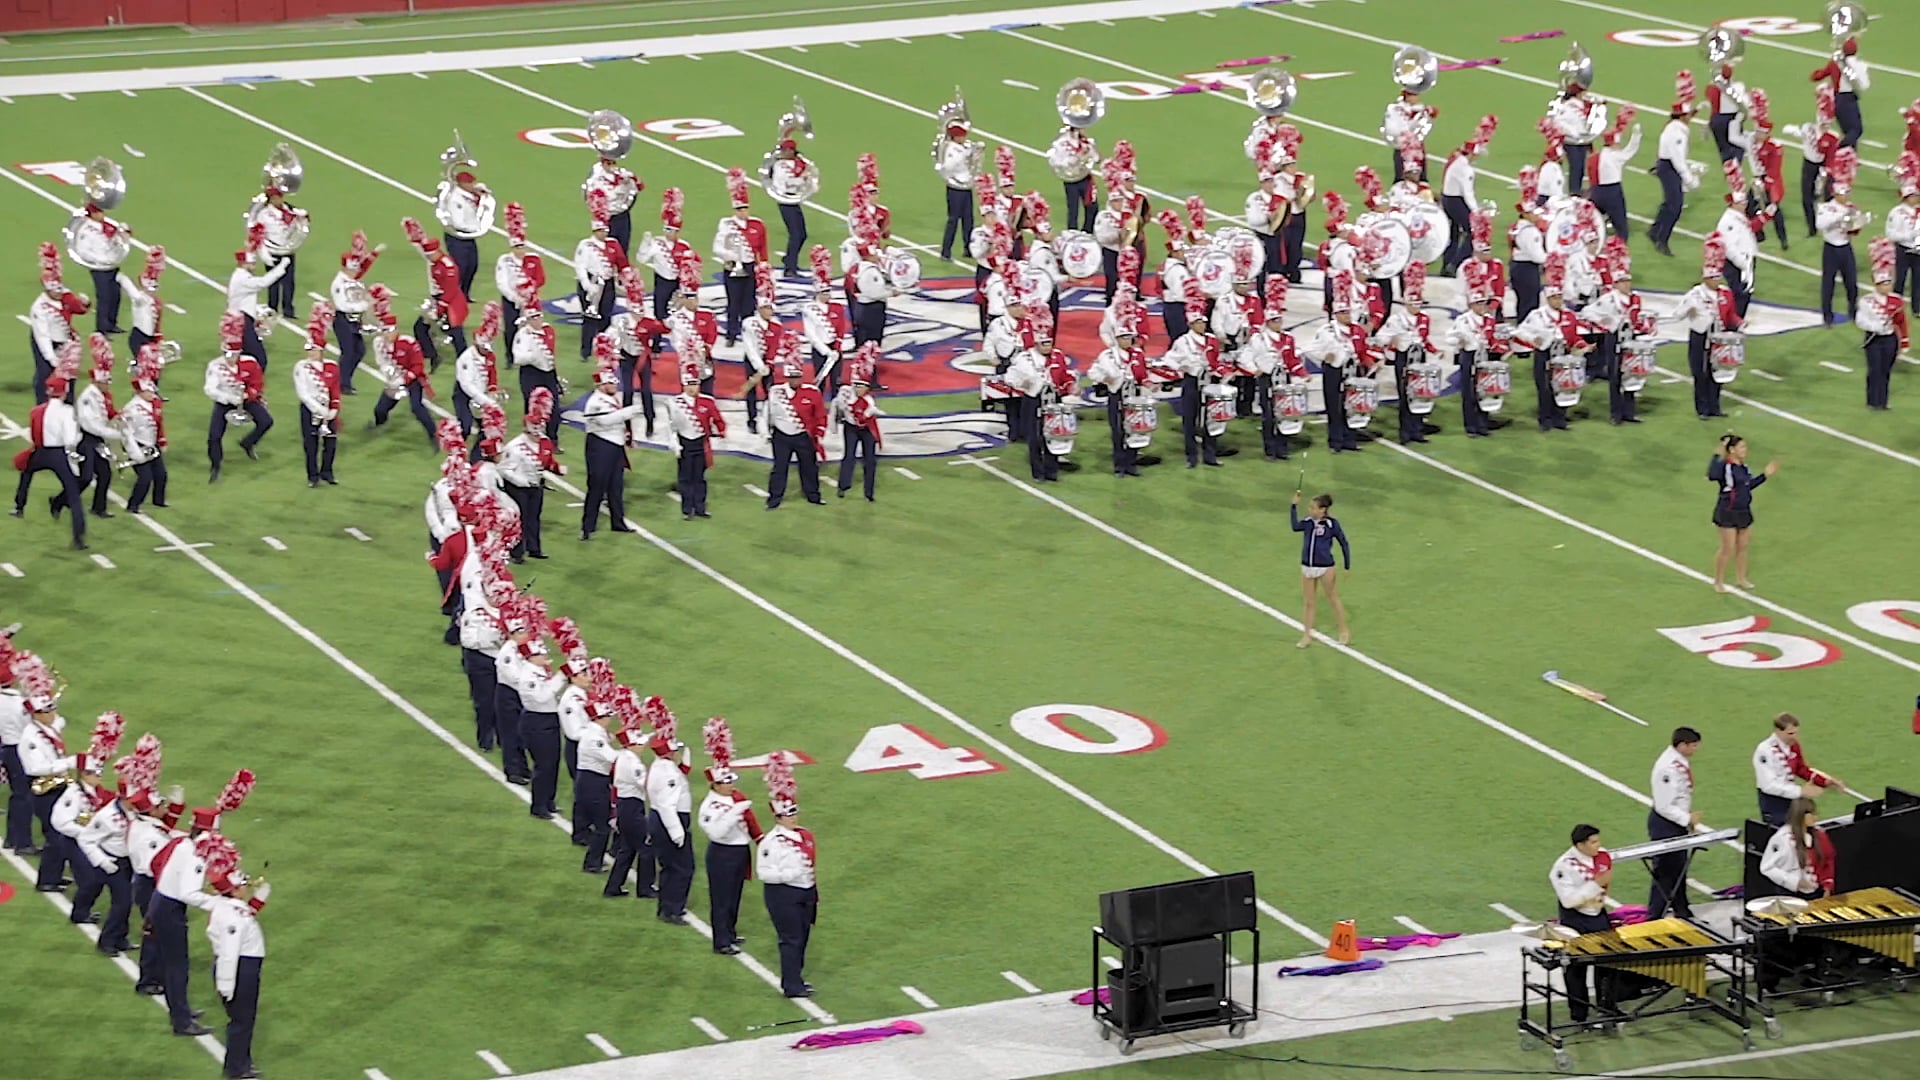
(420, 916)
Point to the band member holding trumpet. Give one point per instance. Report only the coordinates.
(44, 759)
(143, 295)
(1677, 173)
(1882, 317)
(55, 432)
(99, 426)
(957, 160)
(286, 227)
(351, 304)
(234, 383)
(50, 319)
(859, 416)
(597, 261)
(829, 334)
(445, 307)
(1839, 221)
(405, 369)
(524, 461)
(316, 383)
(535, 345)
(145, 429)
(464, 208)
(244, 288)
(663, 254)
(739, 245)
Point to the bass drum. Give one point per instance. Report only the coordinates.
(902, 269)
(1138, 419)
(1213, 269)
(1059, 425)
(1079, 254)
(1216, 404)
(1399, 247)
(1290, 406)
(1427, 230)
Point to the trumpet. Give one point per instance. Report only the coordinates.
(53, 781)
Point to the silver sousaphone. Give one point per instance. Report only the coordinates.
(795, 123)
(1081, 103)
(1271, 91)
(284, 171)
(1577, 70)
(1416, 71)
(457, 159)
(105, 186)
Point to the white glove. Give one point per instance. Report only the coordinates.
(176, 795)
(262, 891)
(111, 866)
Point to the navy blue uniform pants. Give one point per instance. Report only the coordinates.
(693, 476)
(242, 1008)
(792, 911)
(506, 723)
(727, 868)
(540, 731)
(169, 919)
(481, 682)
(858, 443)
(54, 459)
(676, 861)
(1669, 872)
(631, 851)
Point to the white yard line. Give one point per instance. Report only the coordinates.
(706, 1026)
(1841, 368)
(906, 472)
(1752, 39)
(493, 1062)
(358, 535)
(130, 968)
(1110, 961)
(1784, 1051)
(756, 490)
(1767, 375)
(601, 1044)
(170, 547)
(102, 561)
(176, 309)
(1014, 978)
(1629, 546)
(1509, 913)
(273, 542)
(10, 570)
(919, 998)
(1411, 925)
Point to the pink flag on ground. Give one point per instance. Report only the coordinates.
(822, 1040)
(1401, 941)
(1462, 65)
(1537, 35)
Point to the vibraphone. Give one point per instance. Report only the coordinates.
(1861, 938)
(1667, 956)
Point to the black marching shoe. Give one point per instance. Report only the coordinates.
(213, 474)
(249, 451)
(194, 1030)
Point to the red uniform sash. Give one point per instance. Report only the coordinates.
(159, 422)
(164, 856)
(862, 414)
(757, 238)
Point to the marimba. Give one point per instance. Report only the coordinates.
(1879, 921)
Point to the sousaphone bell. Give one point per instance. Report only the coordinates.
(1271, 91)
(1081, 103)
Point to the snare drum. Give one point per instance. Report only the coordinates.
(1217, 406)
(1059, 424)
(1363, 396)
(1424, 383)
(1726, 351)
(1138, 419)
(1568, 376)
(1290, 406)
(1636, 364)
(1492, 382)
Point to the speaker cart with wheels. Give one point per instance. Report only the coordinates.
(1171, 948)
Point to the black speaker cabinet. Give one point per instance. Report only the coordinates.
(1180, 911)
(1189, 979)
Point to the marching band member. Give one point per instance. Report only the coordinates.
(1266, 213)
(825, 323)
(629, 776)
(1727, 97)
(447, 300)
(234, 382)
(1733, 508)
(1174, 277)
(101, 844)
(607, 425)
(1607, 168)
(78, 796)
(1123, 223)
(572, 710)
(1817, 141)
(956, 158)
(1527, 243)
(520, 613)
(179, 882)
(1342, 349)
(622, 188)
(1276, 360)
(869, 291)
(859, 424)
(523, 462)
(1408, 334)
(635, 332)
(1125, 308)
(1297, 187)
(1618, 314)
(669, 813)
(316, 383)
(50, 319)
(518, 273)
(406, 370)
(1672, 816)
(1709, 308)
(1041, 254)
(692, 330)
(1026, 377)
(447, 538)
(101, 244)
(764, 336)
(1581, 877)
(787, 861)
(144, 297)
(791, 181)
(1551, 330)
(1550, 175)
(1846, 73)
(1236, 317)
(352, 301)
(534, 348)
(1005, 339)
(98, 431)
(740, 247)
(481, 632)
(144, 427)
(54, 429)
(148, 833)
(1903, 227)
(1677, 173)
(476, 375)
(695, 419)
(1882, 318)
(13, 715)
(287, 227)
(726, 816)
(465, 210)
(1799, 861)
(1074, 156)
(797, 420)
(1584, 273)
(42, 754)
(1114, 371)
(1481, 224)
(664, 253)
(1318, 575)
(1058, 384)
(596, 262)
(1781, 774)
(1769, 164)
(1196, 355)
(593, 782)
(239, 951)
(1013, 206)
(1409, 188)
(1736, 231)
(1472, 338)
(1839, 221)
(1407, 114)
(244, 288)
(539, 687)
(1572, 114)
(1457, 196)
(866, 170)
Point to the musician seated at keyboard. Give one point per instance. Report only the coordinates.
(1798, 862)
(1581, 876)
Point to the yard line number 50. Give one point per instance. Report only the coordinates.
(1073, 729)
(1750, 644)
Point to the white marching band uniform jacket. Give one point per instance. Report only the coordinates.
(870, 285)
(1330, 347)
(1265, 210)
(1781, 863)
(281, 225)
(793, 182)
(816, 321)
(629, 775)
(1773, 769)
(607, 419)
(1737, 233)
(470, 375)
(1903, 227)
(49, 326)
(1672, 786)
(530, 349)
(145, 305)
(1458, 178)
(39, 756)
(244, 288)
(656, 252)
(955, 164)
(92, 413)
(724, 820)
(520, 464)
(145, 838)
(730, 247)
(345, 303)
(783, 860)
(1111, 370)
(141, 431)
(468, 215)
(1673, 151)
(92, 247)
(1400, 117)
(310, 389)
(621, 186)
(59, 426)
(1027, 374)
(667, 794)
(442, 520)
(592, 270)
(1613, 159)
(1003, 338)
(1573, 883)
(234, 932)
(103, 840)
(1073, 155)
(510, 278)
(1468, 335)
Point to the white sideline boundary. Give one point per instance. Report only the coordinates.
(1752, 39)
(1006, 751)
(267, 71)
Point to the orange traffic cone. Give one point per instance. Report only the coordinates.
(1343, 946)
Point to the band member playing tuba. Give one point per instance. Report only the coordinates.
(286, 227)
(1073, 157)
(957, 160)
(316, 383)
(621, 187)
(352, 303)
(792, 180)
(1415, 70)
(464, 208)
(101, 244)
(235, 383)
(145, 428)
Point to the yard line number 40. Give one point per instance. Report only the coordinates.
(1073, 729)
(1749, 643)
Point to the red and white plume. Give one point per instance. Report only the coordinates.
(516, 224)
(737, 188)
(1003, 165)
(50, 267)
(1336, 206)
(1369, 183)
(1480, 225)
(107, 731)
(822, 262)
(1276, 297)
(1683, 91)
(632, 288)
(1196, 215)
(416, 235)
(235, 792)
(317, 323)
(1713, 257)
(233, 331)
(763, 288)
(36, 682)
(783, 790)
(256, 241)
(1129, 266)
(1906, 174)
(866, 169)
(1882, 254)
(358, 258)
(1758, 111)
(673, 203)
(1553, 274)
(597, 209)
(102, 349)
(1842, 166)
(1529, 178)
(449, 437)
(655, 714)
(156, 262)
(539, 407)
(1824, 103)
(718, 737)
(1413, 282)
(490, 317)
